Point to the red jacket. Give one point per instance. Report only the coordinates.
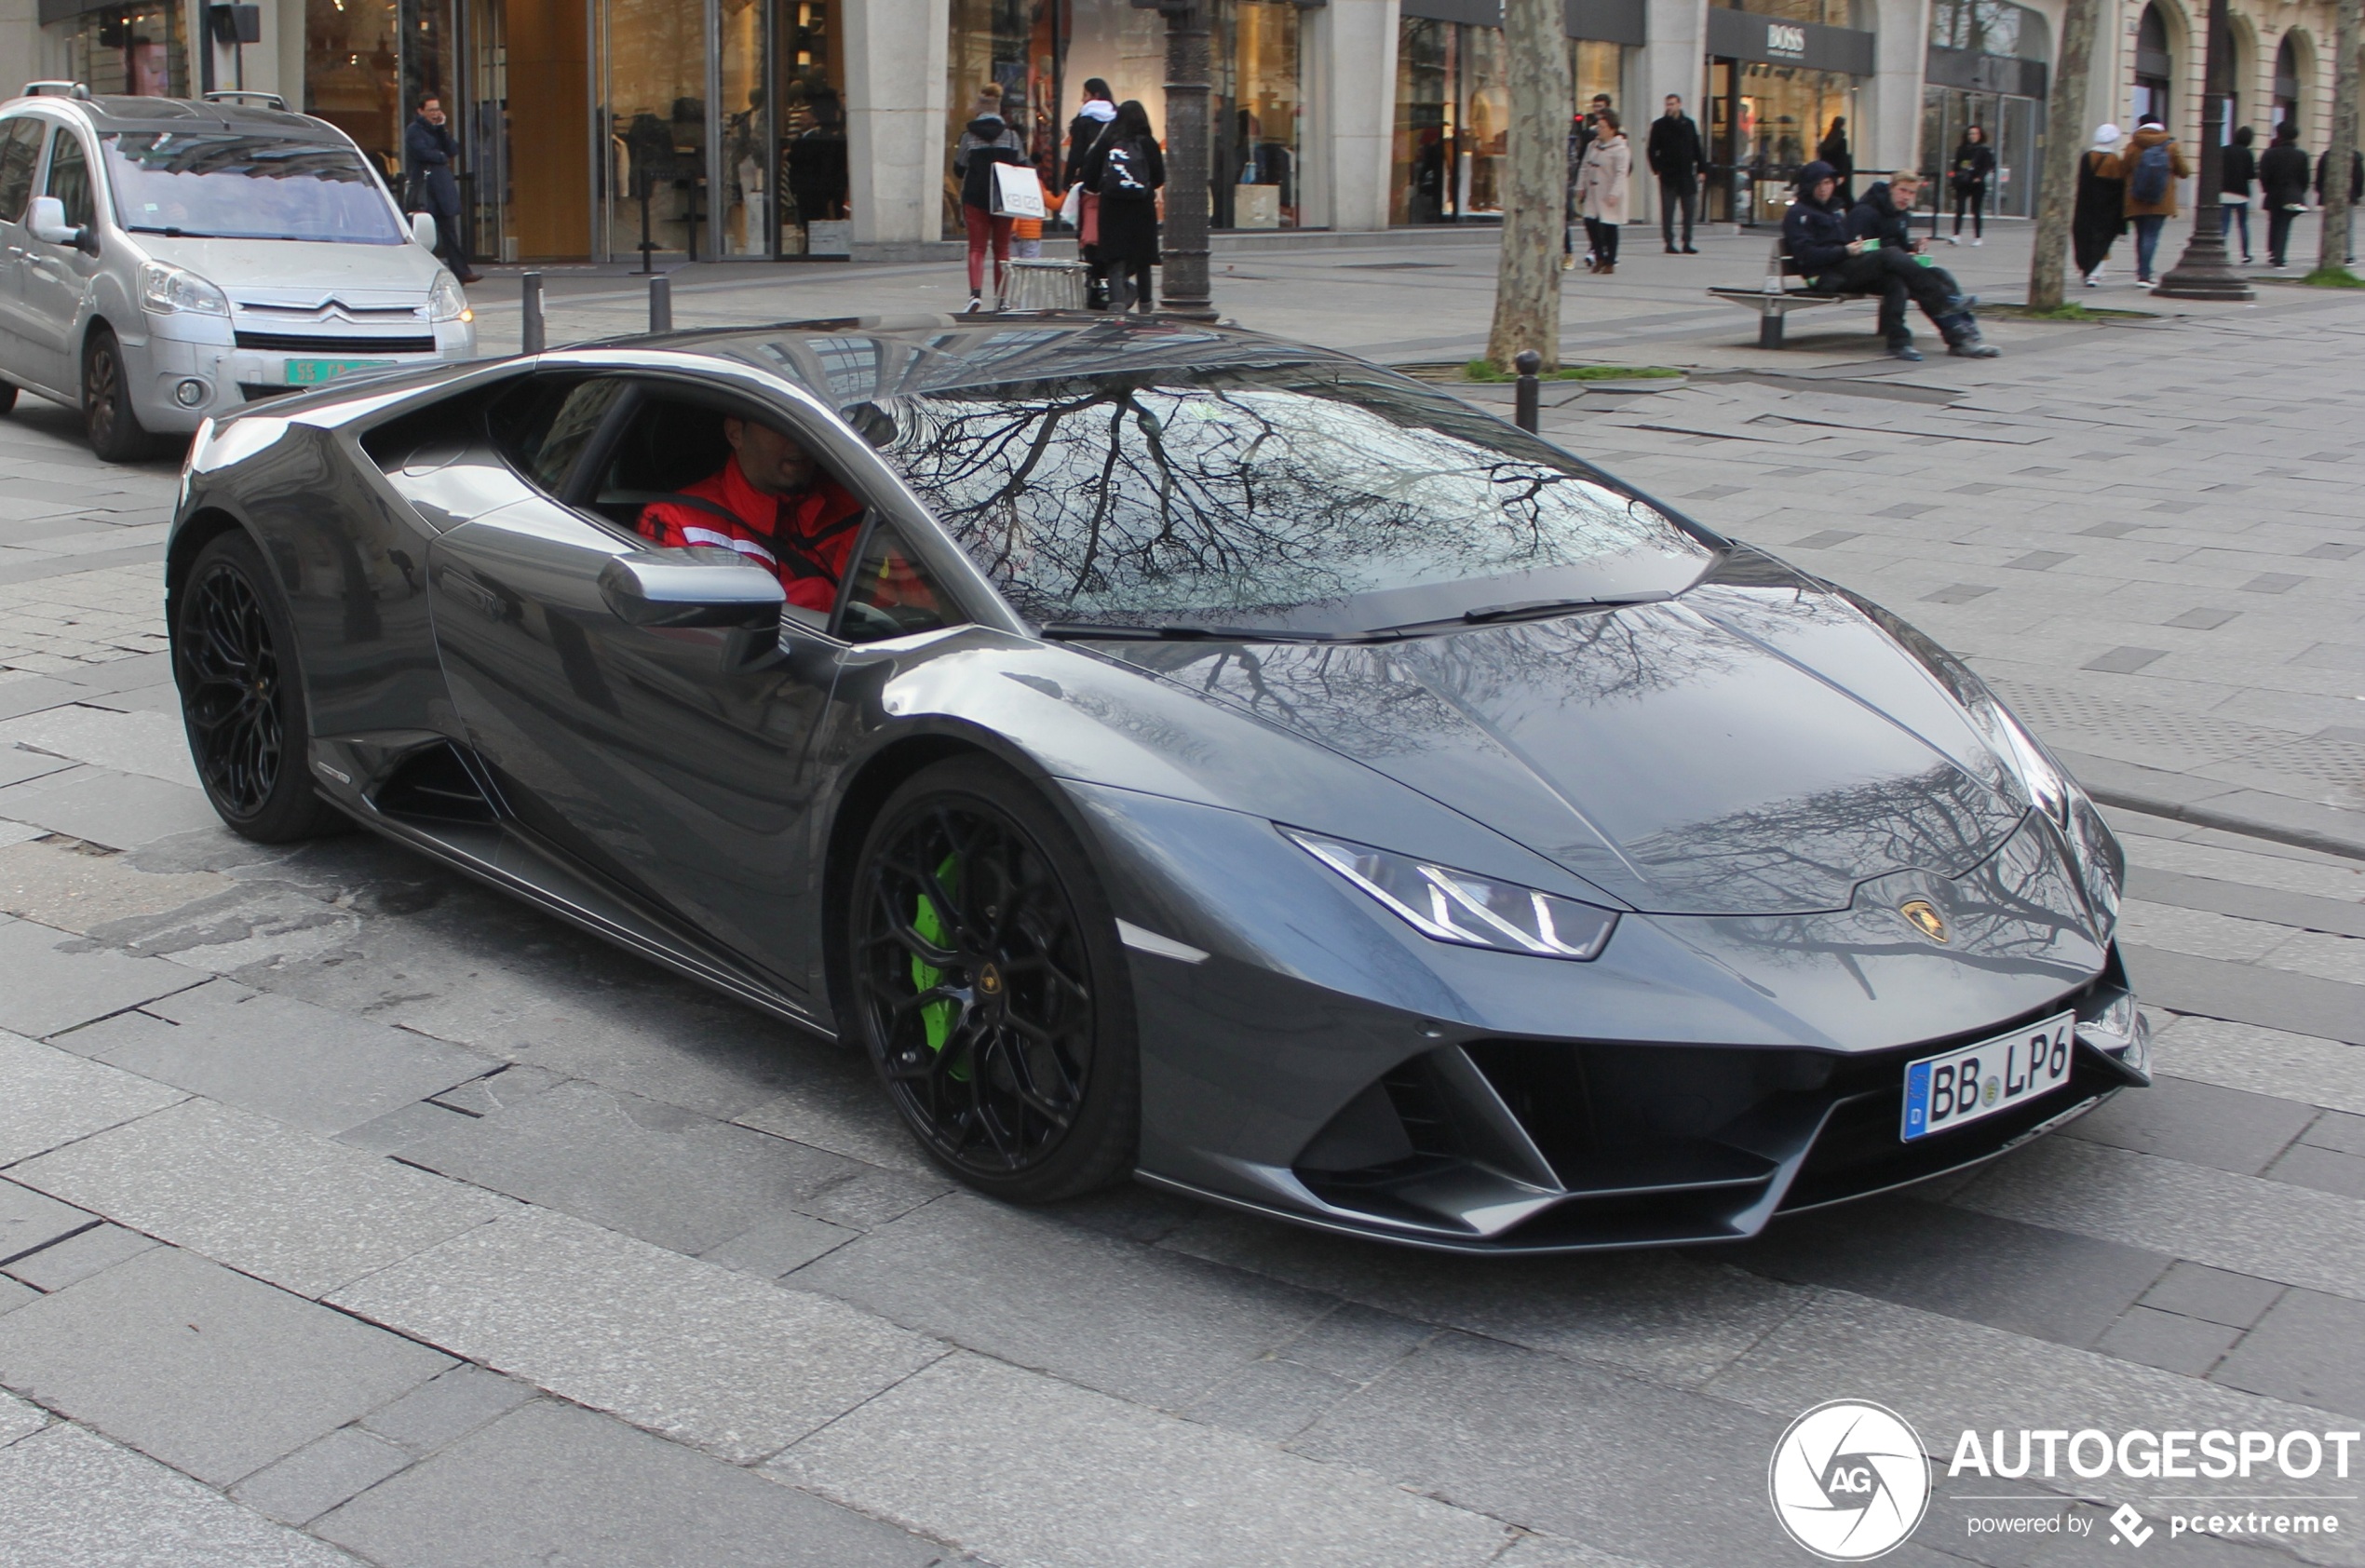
(804, 539)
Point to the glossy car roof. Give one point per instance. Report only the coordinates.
(858, 360)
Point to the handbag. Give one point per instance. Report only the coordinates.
(1087, 228)
(1017, 192)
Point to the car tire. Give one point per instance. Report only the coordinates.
(234, 659)
(1022, 1077)
(114, 425)
(8, 396)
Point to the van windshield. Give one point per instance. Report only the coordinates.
(247, 187)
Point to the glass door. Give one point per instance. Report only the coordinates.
(484, 131)
(652, 122)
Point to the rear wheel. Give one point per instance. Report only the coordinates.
(115, 431)
(8, 396)
(989, 987)
(241, 697)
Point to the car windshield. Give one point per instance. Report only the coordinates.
(247, 187)
(1317, 500)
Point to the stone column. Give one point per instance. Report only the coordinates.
(1673, 59)
(1890, 135)
(895, 64)
(1354, 70)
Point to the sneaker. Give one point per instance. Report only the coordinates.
(1954, 239)
(977, 303)
(1972, 348)
(1568, 263)
(1905, 351)
(2092, 281)
(1690, 251)
(1979, 242)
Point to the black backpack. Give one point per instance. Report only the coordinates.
(2153, 171)
(1122, 176)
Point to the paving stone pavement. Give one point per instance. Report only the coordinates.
(352, 1214)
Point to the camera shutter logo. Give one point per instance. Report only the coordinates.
(1849, 1481)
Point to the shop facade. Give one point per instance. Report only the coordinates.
(727, 130)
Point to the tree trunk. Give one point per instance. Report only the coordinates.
(1527, 278)
(2342, 151)
(2065, 144)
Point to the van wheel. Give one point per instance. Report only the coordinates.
(115, 432)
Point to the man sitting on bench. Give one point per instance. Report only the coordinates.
(1816, 235)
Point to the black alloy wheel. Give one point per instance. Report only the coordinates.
(240, 699)
(115, 429)
(989, 987)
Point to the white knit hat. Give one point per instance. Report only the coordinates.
(2104, 134)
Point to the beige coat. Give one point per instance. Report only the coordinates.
(1603, 179)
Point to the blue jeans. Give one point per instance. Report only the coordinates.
(2147, 241)
(2226, 216)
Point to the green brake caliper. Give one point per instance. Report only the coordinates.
(936, 1018)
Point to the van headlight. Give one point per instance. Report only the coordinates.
(166, 289)
(446, 303)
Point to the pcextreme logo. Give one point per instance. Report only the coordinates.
(1849, 1481)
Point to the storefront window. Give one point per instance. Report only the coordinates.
(1780, 114)
(1041, 52)
(1452, 123)
(1826, 13)
(352, 71)
(784, 153)
(653, 112)
(134, 49)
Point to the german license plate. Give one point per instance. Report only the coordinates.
(1956, 1088)
(312, 372)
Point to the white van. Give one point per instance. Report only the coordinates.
(163, 259)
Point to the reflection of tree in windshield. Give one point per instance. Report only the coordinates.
(1237, 492)
(247, 187)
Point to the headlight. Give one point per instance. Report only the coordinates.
(164, 290)
(445, 302)
(1450, 906)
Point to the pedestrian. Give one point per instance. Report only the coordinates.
(1966, 177)
(1125, 171)
(1092, 122)
(1601, 188)
(2152, 163)
(2101, 214)
(2234, 192)
(429, 147)
(1815, 233)
(1885, 215)
(1832, 150)
(1678, 156)
(986, 140)
(2282, 185)
(1026, 240)
(1582, 129)
(2356, 193)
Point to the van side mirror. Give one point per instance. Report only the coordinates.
(422, 230)
(47, 219)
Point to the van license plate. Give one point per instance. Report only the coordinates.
(1969, 1082)
(312, 372)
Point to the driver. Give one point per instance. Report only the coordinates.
(772, 502)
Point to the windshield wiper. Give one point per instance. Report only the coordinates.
(1077, 631)
(174, 231)
(1534, 610)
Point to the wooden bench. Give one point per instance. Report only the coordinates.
(1784, 290)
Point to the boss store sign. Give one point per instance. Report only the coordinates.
(1748, 36)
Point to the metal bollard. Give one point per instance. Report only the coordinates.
(532, 336)
(661, 304)
(1527, 362)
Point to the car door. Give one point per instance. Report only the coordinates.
(54, 279)
(19, 160)
(674, 759)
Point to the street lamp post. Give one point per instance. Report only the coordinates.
(1184, 292)
(2203, 272)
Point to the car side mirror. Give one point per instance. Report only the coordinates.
(691, 588)
(422, 230)
(47, 219)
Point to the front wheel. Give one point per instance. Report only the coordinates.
(234, 657)
(989, 988)
(114, 425)
(8, 396)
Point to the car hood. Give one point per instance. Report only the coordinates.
(1757, 747)
(290, 271)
